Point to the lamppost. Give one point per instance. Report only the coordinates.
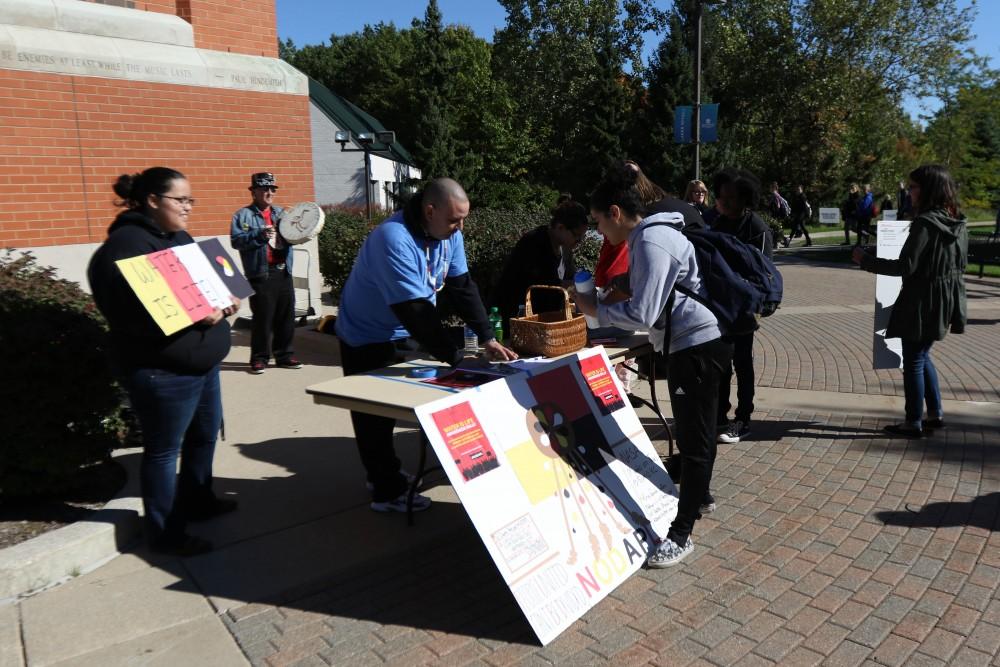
(699, 7)
(366, 139)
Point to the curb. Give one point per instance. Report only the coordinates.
(62, 554)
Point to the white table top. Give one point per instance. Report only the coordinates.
(389, 392)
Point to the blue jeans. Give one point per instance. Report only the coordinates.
(920, 381)
(180, 415)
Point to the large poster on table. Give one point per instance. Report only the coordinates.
(888, 352)
(560, 480)
(181, 285)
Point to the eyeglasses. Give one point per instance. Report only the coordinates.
(269, 188)
(701, 192)
(183, 201)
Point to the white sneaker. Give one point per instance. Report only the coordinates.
(669, 553)
(420, 503)
(737, 429)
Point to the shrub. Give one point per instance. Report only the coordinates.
(344, 230)
(777, 230)
(62, 408)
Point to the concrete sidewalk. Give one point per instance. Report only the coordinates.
(831, 542)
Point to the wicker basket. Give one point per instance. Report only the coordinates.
(548, 334)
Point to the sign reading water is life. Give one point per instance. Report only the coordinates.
(184, 284)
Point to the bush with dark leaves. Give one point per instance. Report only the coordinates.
(61, 408)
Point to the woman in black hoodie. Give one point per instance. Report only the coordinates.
(172, 381)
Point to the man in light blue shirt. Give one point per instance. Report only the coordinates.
(390, 301)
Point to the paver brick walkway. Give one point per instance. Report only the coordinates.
(832, 543)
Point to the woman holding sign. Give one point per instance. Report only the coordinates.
(172, 380)
(932, 299)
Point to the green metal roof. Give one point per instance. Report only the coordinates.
(347, 116)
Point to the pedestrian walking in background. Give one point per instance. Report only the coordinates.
(932, 299)
(849, 212)
(801, 214)
(864, 213)
(781, 211)
(903, 205)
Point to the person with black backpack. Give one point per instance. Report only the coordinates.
(661, 259)
(735, 191)
(780, 210)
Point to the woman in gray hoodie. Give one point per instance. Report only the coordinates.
(660, 257)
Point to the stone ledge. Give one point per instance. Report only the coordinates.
(36, 49)
(91, 18)
(72, 550)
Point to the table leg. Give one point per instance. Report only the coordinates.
(424, 444)
(654, 404)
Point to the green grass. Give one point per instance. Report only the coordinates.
(990, 271)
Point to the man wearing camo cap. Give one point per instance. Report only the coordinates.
(267, 263)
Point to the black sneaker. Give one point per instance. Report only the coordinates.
(290, 362)
(737, 430)
(934, 423)
(257, 366)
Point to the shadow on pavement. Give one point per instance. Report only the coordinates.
(777, 429)
(450, 586)
(982, 512)
(304, 538)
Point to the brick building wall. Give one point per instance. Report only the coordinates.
(221, 25)
(65, 138)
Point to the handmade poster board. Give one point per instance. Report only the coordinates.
(887, 352)
(181, 285)
(560, 480)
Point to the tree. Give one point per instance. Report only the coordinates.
(964, 135)
(820, 101)
(669, 82)
(563, 54)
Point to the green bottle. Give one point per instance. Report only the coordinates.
(497, 323)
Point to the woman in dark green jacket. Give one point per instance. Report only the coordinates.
(932, 300)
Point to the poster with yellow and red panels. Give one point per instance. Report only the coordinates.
(184, 284)
(560, 480)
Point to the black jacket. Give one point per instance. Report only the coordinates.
(749, 229)
(531, 262)
(137, 341)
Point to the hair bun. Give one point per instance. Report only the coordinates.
(124, 185)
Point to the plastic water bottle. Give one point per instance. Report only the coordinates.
(496, 322)
(585, 285)
(471, 340)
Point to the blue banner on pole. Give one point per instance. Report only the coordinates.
(682, 124)
(709, 123)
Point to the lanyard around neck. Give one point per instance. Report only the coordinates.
(440, 267)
